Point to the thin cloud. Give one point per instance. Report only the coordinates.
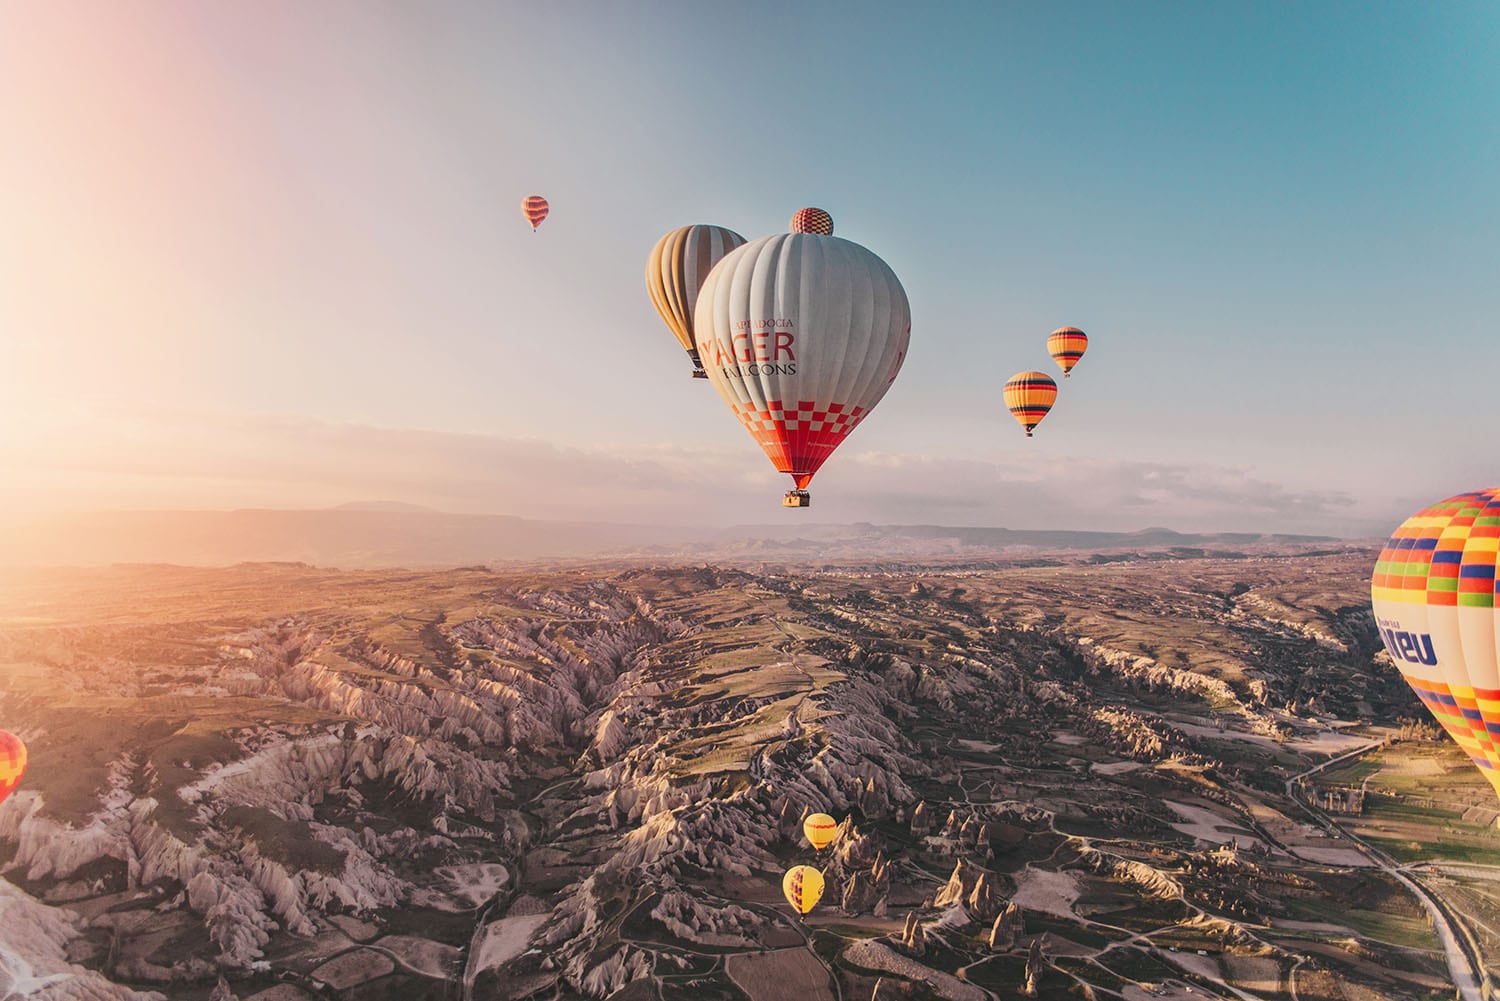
(186, 461)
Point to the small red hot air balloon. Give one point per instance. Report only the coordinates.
(812, 220)
(534, 208)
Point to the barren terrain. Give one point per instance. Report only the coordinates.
(587, 781)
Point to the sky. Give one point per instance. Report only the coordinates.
(272, 255)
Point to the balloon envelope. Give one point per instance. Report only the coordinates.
(12, 763)
(802, 335)
(675, 271)
(803, 886)
(534, 208)
(812, 220)
(1029, 396)
(1434, 597)
(820, 829)
(1066, 345)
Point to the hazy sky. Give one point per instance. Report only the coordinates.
(271, 254)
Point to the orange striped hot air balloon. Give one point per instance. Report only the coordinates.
(1066, 345)
(812, 220)
(820, 829)
(803, 886)
(534, 208)
(12, 763)
(1029, 396)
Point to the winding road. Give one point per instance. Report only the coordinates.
(1465, 964)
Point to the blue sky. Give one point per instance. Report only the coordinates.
(1276, 221)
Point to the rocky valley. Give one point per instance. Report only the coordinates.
(1079, 777)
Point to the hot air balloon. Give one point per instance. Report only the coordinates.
(812, 220)
(801, 335)
(1434, 597)
(1029, 396)
(534, 208)
(820, 829)
(1066, 345)
(12, 763)
(803, 886)
(675, 271)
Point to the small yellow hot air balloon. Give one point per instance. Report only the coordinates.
(13, 765)
(820, 829)
(1066, 345)
(803, 886)
(1029, 396)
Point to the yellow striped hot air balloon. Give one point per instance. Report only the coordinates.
(1029, 396)
(803, 886)
(676, 269)
(1066, 345)
(820, 829)
(534, 208)
(1434, 597)
(12, 763)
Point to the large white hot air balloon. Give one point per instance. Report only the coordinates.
(801, 335)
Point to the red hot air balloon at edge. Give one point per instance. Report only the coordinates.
(12, 763)
(534, 208)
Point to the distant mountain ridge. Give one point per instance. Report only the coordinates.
(389, 535)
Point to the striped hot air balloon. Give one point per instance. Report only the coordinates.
(810, 220)
(1066, 345)
(819, 830)
(534, 208)
(676, 270)
(1029, 395)
(12, 763)
(1434, 596)
(803, 886)
(802, 335)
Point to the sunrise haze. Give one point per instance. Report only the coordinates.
(271, 255)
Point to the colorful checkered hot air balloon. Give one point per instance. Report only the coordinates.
(534, 208)
(803, 886)
(1029, 396)
(1434, 597)
(812, 220)
(819, 830)
(675, 271)
(1066, 345)
(801, 335)
(12, 763)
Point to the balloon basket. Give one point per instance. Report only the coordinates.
(698, 373)
(797, 498)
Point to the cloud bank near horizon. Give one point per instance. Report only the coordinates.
(169, 460)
